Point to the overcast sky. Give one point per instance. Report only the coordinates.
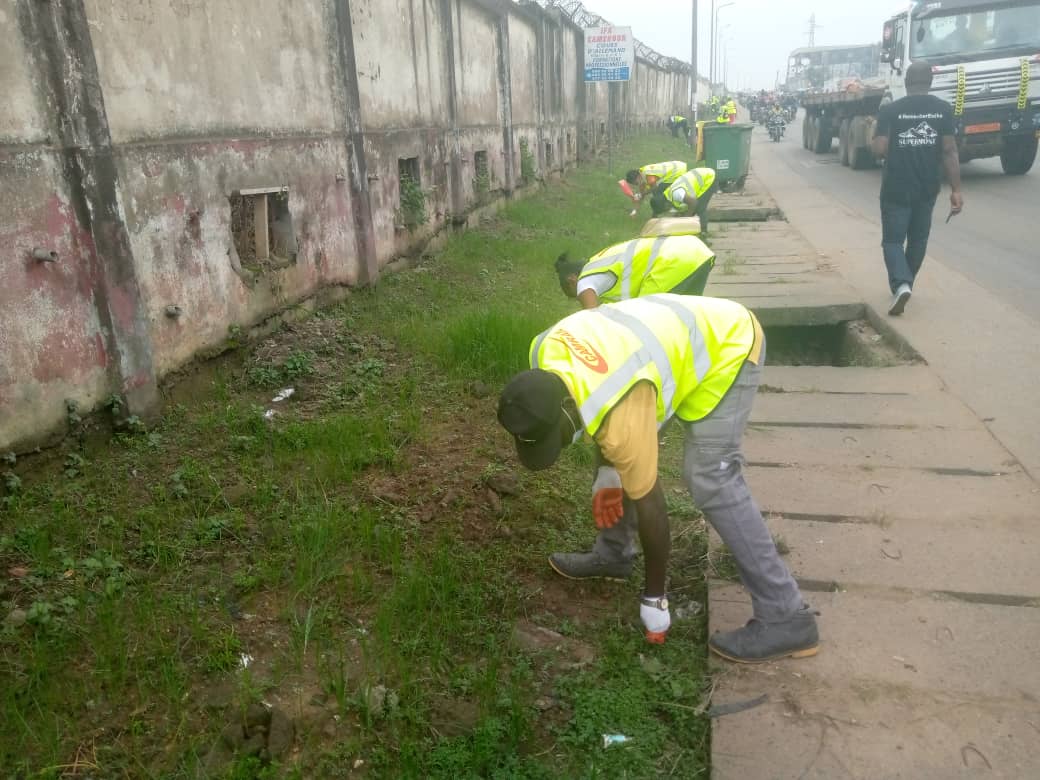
(763, 32)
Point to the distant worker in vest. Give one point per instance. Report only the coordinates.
(731, 111)
(688, 194)
(677, 124)
(638, 183)
(715, 104)
(616, 374)
(642, 266)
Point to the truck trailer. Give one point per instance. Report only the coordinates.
(985, 57)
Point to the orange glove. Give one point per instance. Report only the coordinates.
(607, 498)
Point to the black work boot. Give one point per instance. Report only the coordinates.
(758, 641)
(588, 566)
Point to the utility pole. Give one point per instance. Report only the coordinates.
(693, 62)
(812, 30)
(716, 10)
(711, 46)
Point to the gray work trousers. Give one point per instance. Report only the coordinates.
(713, 471)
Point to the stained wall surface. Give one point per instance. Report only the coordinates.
(135, 132)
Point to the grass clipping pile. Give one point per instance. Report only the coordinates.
(350, 579)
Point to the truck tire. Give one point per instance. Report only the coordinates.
(843, 142)
(1018, 155)
(861, 156)
(822, 135)
(806, 130)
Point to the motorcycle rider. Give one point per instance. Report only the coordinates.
(776, 122)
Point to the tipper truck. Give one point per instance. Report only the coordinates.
(985, 57)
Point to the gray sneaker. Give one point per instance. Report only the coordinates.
(588, 566)
(796, 637)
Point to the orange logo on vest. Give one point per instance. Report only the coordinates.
(584, 351)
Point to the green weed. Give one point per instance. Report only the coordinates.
(157, 562)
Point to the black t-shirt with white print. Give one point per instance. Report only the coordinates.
(915, 126)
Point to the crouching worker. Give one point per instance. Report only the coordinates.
(640, 182)
(642, 266)
(619, 372)
(689, 194)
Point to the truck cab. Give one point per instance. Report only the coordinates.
(985, 57)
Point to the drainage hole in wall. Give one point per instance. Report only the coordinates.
(262, 229)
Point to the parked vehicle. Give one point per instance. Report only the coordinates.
(985, 61)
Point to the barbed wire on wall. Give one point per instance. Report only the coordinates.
(583, 17)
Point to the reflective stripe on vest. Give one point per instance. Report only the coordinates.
(695, 182)
(690, 348)
(657, 354)
(632, 263)
(665, 171)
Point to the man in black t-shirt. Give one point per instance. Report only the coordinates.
(915, 136)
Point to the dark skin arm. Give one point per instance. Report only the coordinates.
(588, 299)
(952, 166)
(879, 145)
(656, 538)
(654, 534)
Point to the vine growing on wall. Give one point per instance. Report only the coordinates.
(413, 204)
(527, 173)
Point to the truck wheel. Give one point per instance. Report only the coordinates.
(806, 130)
(861, 156)
(1018, 155)
(822, 135)
(843, 142)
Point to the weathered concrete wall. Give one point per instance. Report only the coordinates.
(131, 126)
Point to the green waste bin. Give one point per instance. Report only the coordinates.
(727, 150)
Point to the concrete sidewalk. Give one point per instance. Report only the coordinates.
(911, 527)
(984, 350)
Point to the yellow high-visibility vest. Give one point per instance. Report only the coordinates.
(690, 348)
(695, 182)
(664, 171)
(647, 266)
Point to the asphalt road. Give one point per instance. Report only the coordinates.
(995, 242)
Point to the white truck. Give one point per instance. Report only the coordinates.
(986, 61)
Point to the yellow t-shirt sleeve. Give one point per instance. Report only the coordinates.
(760, 339)
(628, 440)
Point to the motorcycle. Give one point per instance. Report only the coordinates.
(776, 129)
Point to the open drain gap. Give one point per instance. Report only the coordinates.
(941, 471)
(968, 597)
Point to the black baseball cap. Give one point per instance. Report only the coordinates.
(529, 408)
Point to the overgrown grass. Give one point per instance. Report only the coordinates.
(337, 555)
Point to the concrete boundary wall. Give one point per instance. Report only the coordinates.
(174, 169)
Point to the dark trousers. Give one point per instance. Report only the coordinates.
(904, 238)
(659, 204)
(702, 205)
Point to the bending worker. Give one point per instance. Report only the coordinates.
(677, 124)
(642, 266)
(690, 193)
(642, 181)
(617, 374)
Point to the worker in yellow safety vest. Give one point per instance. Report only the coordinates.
(731, 111)
(642, 180)
(677, 124)
(617, 374)
(642, 266)
(690, 193)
